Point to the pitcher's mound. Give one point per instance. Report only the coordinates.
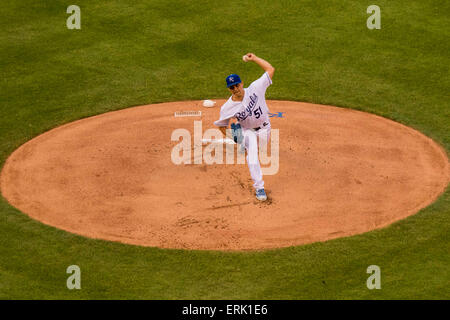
(341, 172)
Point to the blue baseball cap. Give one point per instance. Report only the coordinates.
(233, 79)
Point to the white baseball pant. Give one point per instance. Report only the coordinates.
(253, 141)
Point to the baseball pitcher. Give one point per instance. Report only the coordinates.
(248, 106)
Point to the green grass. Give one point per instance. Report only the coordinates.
(139, 52)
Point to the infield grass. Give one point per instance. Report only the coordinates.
(131, 53)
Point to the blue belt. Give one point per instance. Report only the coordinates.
(264, 124)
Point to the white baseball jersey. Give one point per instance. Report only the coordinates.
(252, 111)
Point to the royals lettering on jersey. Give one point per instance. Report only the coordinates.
(252, 111)
(248, 111)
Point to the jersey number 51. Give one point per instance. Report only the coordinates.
(258, 112)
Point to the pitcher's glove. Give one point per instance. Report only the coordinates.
(236, 133)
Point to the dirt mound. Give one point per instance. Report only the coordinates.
(341, 172)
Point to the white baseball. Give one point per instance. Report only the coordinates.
(245, 58)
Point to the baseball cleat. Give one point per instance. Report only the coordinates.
(261, 195)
